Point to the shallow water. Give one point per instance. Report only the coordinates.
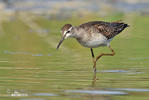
(32, 69)
(41, 79)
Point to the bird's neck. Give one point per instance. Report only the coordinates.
(77, 32)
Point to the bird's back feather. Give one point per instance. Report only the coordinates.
(108, 29)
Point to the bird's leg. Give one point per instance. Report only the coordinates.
(94, 76)
(94, 67)
(103, 54)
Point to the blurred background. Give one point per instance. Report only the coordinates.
(32, 69)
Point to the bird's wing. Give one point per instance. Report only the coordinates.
(109, 30)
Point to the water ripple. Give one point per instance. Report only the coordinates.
(96, 92)
(131, 89)
(44, 94)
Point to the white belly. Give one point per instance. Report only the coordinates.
(96, 41)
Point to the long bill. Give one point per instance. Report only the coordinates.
(60, 42)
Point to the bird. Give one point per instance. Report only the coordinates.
(93, 34)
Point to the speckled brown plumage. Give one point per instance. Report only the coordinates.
(94, 34)
(108, 29)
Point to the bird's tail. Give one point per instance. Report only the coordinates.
(119, 26)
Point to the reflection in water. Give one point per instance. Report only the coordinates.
(131, 89)
(44, 94)
(31, 63)
(94, 79)
(121, 71)
(113, 71)
(16, 93)
(24, 53)
(97, 92)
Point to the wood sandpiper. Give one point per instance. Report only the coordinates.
(94, 34)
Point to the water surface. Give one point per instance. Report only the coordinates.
(32, 69)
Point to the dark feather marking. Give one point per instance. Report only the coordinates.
(109, 30)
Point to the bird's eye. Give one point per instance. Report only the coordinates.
(68, 31)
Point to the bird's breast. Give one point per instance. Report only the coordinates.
(93, 41)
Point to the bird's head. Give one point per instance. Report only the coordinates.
(66, 31)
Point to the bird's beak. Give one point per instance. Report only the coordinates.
(60, 42)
